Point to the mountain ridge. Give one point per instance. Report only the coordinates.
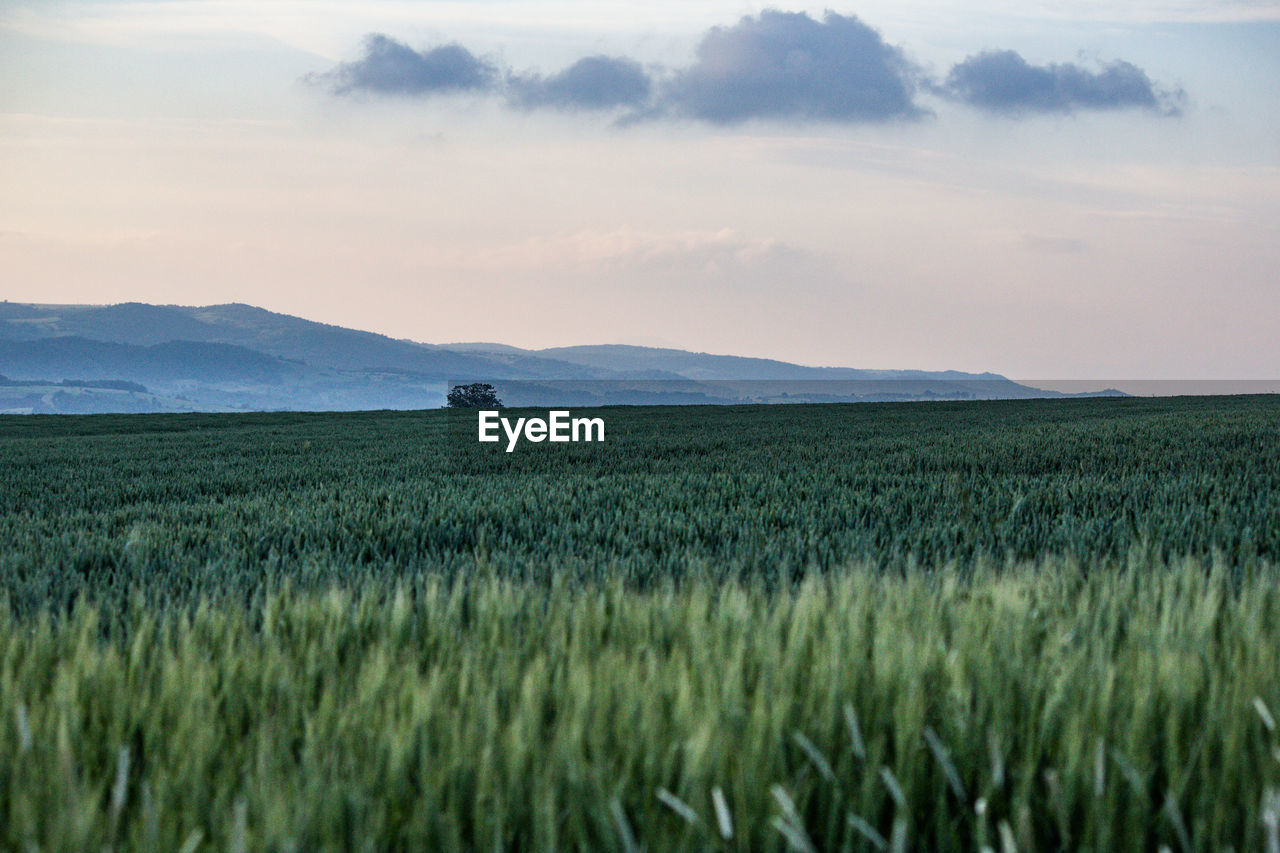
(239, 356)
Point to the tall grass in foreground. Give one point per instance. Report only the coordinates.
(1038, 708)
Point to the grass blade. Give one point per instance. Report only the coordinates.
(816, 758)
(895, 790)
(724, 820)
(678, 806)
(795, 838)
(868, 832)
(192, 844)
(859, 746)
(943, 755)
(624, 827)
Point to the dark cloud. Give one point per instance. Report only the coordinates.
(774, 66)
(1001, 81)
(788, 65)
(390, 67)
(593, 83)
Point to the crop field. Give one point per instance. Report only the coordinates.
(1031, 625)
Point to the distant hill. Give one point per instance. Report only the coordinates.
(239, 357)
(197, 361)
(317, 344)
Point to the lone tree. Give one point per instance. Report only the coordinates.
(477, 395)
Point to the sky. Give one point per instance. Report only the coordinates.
(1063, 190)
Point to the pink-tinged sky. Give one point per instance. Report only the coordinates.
(868, 191)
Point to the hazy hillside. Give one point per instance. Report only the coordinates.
(27, 397)
(241, 357)
(774, 378)
(200, 361)
(697, 365)
(281, 335)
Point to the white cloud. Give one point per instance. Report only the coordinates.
(717, 252)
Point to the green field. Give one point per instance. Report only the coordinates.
(1023, 625)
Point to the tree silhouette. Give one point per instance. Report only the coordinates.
(477, 395)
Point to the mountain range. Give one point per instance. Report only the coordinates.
(140, 357)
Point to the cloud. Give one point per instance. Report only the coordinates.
(627, 248)
(390, 67)
(672, 261)
(788, 65)
(592, 83)
(1054, 245)
(1001, 81)
(775, 66)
